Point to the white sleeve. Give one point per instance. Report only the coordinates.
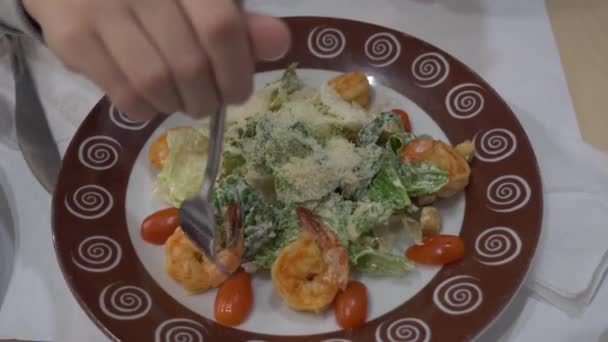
(14, 19)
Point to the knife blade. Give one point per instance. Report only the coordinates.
(34, 136)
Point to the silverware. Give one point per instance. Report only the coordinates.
(7, 125)
(33, 133)
(7, 240)
(196, 215)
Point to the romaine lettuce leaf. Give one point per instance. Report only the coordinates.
(379, 129)
(288, 84)
(396, 182)
(261, 224)
(367, 216)
(261, 219)
(231, 160)
(334, 212)
(421, 179)
(397, 142)
(269, 140)
(182, 175)
(288, 228)
(233, 188)
(387, 186)
(377, 263)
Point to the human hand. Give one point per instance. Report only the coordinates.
(154, 56)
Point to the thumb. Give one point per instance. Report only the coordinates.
(270, 37)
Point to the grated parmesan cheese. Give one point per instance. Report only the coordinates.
(339, 164)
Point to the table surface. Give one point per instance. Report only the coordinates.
(580, 29)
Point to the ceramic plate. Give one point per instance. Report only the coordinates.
(105, 191)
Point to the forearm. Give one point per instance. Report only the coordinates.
(14, 19)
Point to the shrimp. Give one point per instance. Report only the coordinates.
(353, 87)
(443, 156)
(309, 272)
(192, 269)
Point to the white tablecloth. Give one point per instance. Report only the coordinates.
(509, 43)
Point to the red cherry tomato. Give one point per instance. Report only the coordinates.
(234, 299)
(405, 119)
(437, 250)
(157, 227)
(351, 306)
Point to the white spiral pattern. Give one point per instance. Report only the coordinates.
(508, 193)
(403, 330)
(465, 101)
(497, 246)
(383, 49)
(121, 120)
(98, 254)
(458, 295)
(99, 152)
(430, 69)
(326, 42)
(124, 302)
(89, 202)
(495, 145)
(180, 330)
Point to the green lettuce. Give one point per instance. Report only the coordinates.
(269, 143)
(334, 213)
(396, 182)
(295, 141)
(387, 187)
(262, 220)
(397, 142)
(421, 179)
(182, 175)
(261, 224)
(380, 128)
(231, 161)
(377, 263)
(233, 188)
(287, 230)
(367, 216)
(284, 87)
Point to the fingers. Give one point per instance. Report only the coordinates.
(220, 27)
(84, 52)
(270, 37)
(162, 55)
(170, 31)
(139, 60)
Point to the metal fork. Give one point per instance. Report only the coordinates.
(196, 216)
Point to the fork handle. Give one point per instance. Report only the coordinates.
(216, 140)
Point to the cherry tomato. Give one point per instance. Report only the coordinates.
(437, 250)
(234, 299)
(351, 305)
(405, 119)
(157, 227)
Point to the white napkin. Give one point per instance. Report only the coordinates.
(570, 259)
(38, 305)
